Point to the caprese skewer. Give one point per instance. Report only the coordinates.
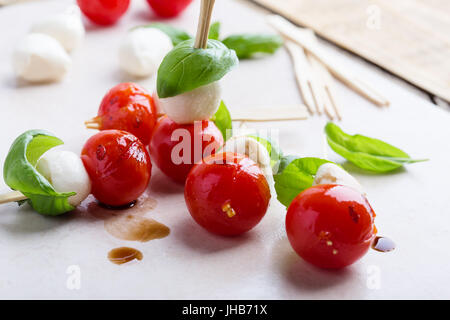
(188, 92)
(114, 165)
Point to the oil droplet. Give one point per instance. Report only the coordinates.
(124, 254)
(383, 244)
(132, 227)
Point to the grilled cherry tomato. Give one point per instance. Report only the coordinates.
(127, 107)
(175, 148)
(330, 226)
(168, 8)
(227, 194)
(118, 165)
(103, 12)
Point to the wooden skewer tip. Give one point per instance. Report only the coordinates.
(204, 23)
(93, 123)
(12, 197)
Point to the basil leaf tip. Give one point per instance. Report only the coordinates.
(214, 31)
(367, 153)
(294, 176)
(248, 45)
(186, 68)
(19, 173)
(222, 119)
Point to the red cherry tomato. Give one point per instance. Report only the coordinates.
(166, 146)
(330, 226)
(118, 165)
(127, 107)
(168, 8)
(227, 194)
(103, 12)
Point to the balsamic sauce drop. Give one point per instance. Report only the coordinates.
(122, 207)
(383, 244)
(124, 254)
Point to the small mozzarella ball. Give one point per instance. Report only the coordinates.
(143, 50)
(40, 58)
(254, 150)
(66, 173)
(198, 104)
(329, 173)
(65, 27)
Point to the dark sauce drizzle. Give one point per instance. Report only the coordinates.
(123, 207)
(124, 255)
(383, 244)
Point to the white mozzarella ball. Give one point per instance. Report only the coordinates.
(330, 173)
(40, 58)
(254, 150)
(66, 27)
(198, 104)
(66, 173)
(143, 50)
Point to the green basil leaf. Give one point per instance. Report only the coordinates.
(186, 68)
(284, 162)
(176, 35)
(296, 176)
(247, 45)
(214, 31)
(19, 173)
(366, 153)
(222, 120)
(273, 149)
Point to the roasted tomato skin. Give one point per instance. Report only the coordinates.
(164, 140)
(118, 165)
(103, 12)
(128, 107)
(227, 194)
(330, 226)
(168, 9)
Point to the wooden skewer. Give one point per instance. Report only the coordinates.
(329, 87)
(12, 197)
(331, 102)
(93, 123)
(291, 32)
(9, 2)
(316, 86)
(302, 72)
(204, 22)
(270, 119)
(281, 113)
(332, 108)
